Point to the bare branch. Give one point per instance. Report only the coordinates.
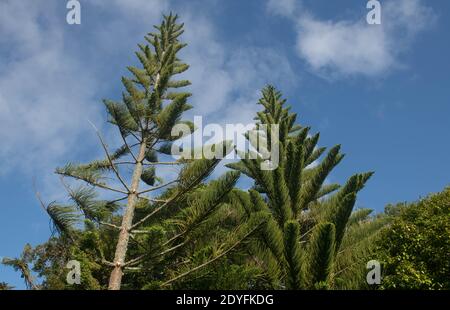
(167, 163)
(157, 187)
(141, 257)
(118, 199)
(211, 260)
(137, 232)
(146, 217)
(156, 210)
(110, 225)
(109, 158)
(175, 237)
(125, 163)
(94, 183)
(126, 144)
(38, 196)
(134, 260)
(107, 263)
(153, 199)
(306, 233)
(172, 248)
(133, 268)
(137, 143)
(164, 163)
(137, 138)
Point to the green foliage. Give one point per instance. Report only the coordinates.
(179, 231)
(21, 264)
(299, 202)
(149, 175)
(291, 230)
(358, 246)
(63, 218)
(415, 248)
(292, 248)
(320, 255)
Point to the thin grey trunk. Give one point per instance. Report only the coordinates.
(127, 221)
(115, 279)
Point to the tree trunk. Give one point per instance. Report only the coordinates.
(127, 221)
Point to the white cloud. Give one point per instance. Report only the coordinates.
(344, 47)
(45, 94)
(408, 16)
(226, 82)
(48, 92)
(348, 47)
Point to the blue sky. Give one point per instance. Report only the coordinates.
(382, 91)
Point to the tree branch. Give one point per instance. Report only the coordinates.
(175, 237)
(110, 225)
(38, 196)
(172, 248)
(133, 268)
(157, 187)
(212, 260)
(164, 163)
(107, 263)
(94, 183)
(137, 232)
(156, 210)
(118, 199)
(126, 144)
(153, 199)
(109, 158)
(134, 260)
(139, 258)
(125, 163)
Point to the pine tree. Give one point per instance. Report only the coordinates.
(302, 241)
(157, 236)
(143, 122)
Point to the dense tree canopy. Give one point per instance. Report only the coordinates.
(415, 248)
